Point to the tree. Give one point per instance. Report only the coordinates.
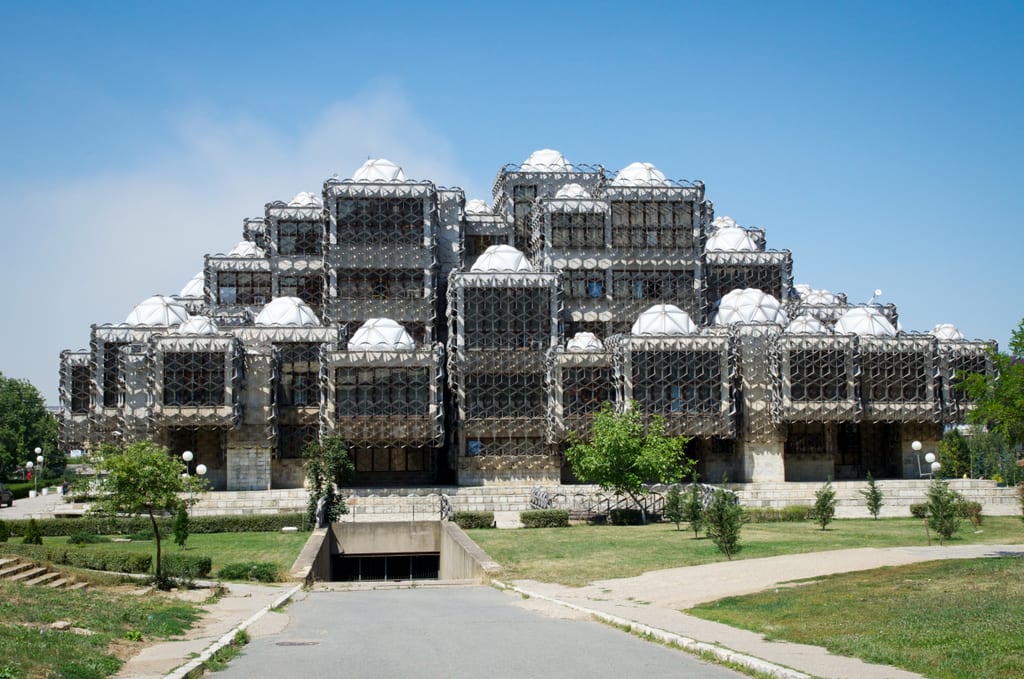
(723, 520)
(33, 534)
(825, 504)
(621, 457)
(872, 496)
(181, 526)
(999, 397)
(25, 425)
(674, 506)
(992, 457)
(693, 508)
(955, 454)
(143, 478)
(943, 516)
(328, 466)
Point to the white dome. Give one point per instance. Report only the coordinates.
(195, 286)
(750, 305)
(724, 222)
(731, 239)
(157, 310)
(381, 334)
(663, 319)
(864, 320)
(572, 191)
(247, 249)
(947, 331)
(802, 289)
(546, 160)
(640, 174)
(197, 325)
(286, 311)
(584, 341)
(379, 170)
(806, 325)
(502, 258)
(475, 206)
(819, 297)
(304, 199)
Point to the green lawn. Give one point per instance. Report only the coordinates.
(222, 548)
(28, 648)
(582, 554)
(940, 619)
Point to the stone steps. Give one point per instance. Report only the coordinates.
(28, 573)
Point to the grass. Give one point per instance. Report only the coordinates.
(223, 548)
(30, 649)
(582, 554)
(940, 619)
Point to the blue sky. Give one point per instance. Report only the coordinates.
(880, 142)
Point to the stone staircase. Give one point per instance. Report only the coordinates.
(16, 569)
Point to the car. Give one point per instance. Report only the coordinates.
(6, 496)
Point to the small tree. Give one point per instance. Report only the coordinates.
(621, 457)
(674, 505)
(33, 534)
(942, 510)
(955, 454)
(693, 508)
(144, 478)
(872, 496)
(825, 504)
(723, 520)
(328, 466)
(181, 526)
(5, 532)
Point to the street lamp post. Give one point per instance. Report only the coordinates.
(29, 465)
(187, 456)
(39, 462)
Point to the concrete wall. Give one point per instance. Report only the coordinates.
(461, 558)
(392, 537)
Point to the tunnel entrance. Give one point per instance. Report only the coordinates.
(384, 567)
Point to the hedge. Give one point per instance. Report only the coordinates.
(474, 519)
(261, 571)
(185, 565)
(919, 510)
(95, 559)
(793, 513)
(126, 525)
(630, 517)
(544, 518)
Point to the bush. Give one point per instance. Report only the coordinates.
(185, 566)
(872, 496)
(675, 510)
(791, 513)
(919, 510)
(467, 520)
(105, 524)
(723, 520)
(181, 526)
(693, 507)
(942, 509)
(33, 536)
(825, 504)
(968, 509)
(86, 539)
(545, 518)
(4, 531)
(251, 570)
(95, 559)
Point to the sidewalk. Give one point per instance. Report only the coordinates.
(40, 506)
(650, 603)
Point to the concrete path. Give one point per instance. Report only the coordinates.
(37, 507)
(652, 601)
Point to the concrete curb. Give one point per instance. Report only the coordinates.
(194, 668)
(698, 647)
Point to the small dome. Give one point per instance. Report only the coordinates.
(802, 289)
(864, 320)
(379, 170)
(813, 296)
(304, 199)
(750, 305)
(584, 341)
(731, 239)
(197, 325)
(475, 206)
(286, 311)
(640, 174)
(572, 191)
(546, 160)
(502, 258)
(663, 319)
(247, 249)
(803, 325)
(196, 286)
(158, 310)
(724, 222)
(381, 334)
(947, 331)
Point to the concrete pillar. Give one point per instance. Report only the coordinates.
(762, 461)
(248, 468)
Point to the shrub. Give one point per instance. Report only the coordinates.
(86, 539)
(942, 510)
(825, 504)
(872, 496)
(4, 531)
(693, 507)
(186, 566)
(545, 518)
(1020, 492)
(723, 520)
(626, 517)
(466, 520)
(96, 559)
(790, 513)
(919, 510)
(251, 570)
(181, 521)
(105, 524)
(33, 536)
(968, 509)
(674, 506)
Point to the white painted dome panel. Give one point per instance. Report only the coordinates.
(640, 174)
(865, 321)
(305, 199)
(819, 297)
(286, 311)
(502, 258)
(572, 191)
(584, 341)
(379, 170)
(663, 320)
(247, 248)
(381, 334)
(158, 310)
(196, 286)
(724, 222)
(947, 331)
(750, 305)
(546, 160)
(806, 325)
(476, 206)
(197, 325)
(802, 289)
(731, 239)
